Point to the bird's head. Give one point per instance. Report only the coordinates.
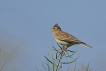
(55, 28)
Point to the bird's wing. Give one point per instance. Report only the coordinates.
(64, 36)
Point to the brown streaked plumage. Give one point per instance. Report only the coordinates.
(65, 38)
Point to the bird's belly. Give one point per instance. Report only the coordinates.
(62, 42)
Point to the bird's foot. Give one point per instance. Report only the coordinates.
(64, 49)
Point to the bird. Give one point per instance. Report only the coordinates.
(65, 38)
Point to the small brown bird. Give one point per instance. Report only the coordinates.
(65, 38)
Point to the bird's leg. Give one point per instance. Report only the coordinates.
(64, 49)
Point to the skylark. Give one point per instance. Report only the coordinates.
(65, 38)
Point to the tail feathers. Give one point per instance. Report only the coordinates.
(86, 45)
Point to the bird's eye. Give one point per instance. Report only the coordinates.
(54, 28)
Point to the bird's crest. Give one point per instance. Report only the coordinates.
(56, 25)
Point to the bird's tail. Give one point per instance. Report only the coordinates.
(86, 45)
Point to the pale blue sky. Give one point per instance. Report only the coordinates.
(25, 31)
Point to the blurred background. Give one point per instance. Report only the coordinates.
(26, 37)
